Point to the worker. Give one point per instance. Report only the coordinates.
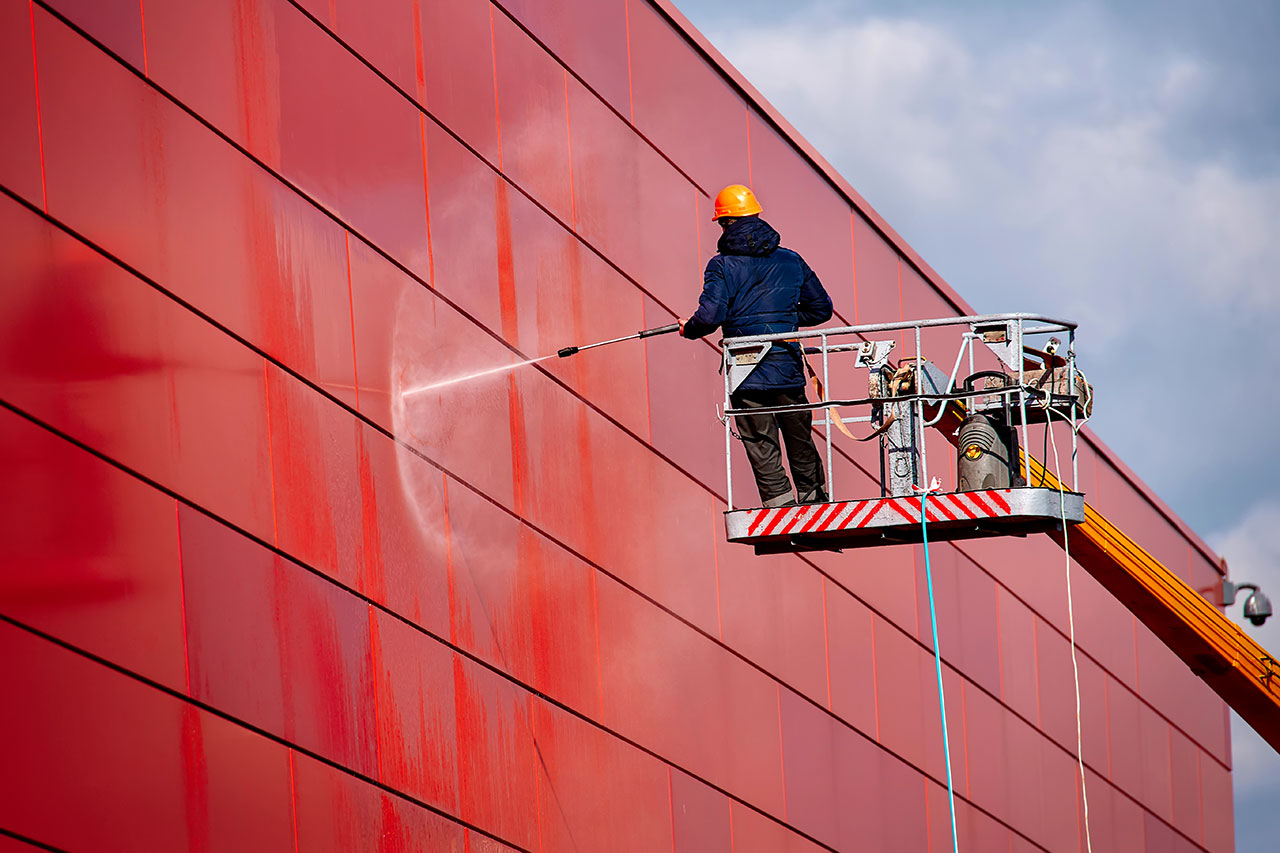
(753, 286)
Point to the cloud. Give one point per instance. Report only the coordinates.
(1048, 171)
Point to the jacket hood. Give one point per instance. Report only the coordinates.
(750, 235)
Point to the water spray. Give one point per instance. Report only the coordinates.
(647, 333)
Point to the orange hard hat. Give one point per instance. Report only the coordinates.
(736, 200)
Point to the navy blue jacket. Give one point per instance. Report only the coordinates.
(754, 287)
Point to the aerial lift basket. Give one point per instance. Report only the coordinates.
(1025, 381)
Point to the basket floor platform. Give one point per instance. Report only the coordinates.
(891, 520)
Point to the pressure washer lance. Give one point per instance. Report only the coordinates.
(647, 333)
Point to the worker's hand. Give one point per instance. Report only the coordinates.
(682, 322)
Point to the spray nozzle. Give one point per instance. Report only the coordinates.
(567, 351)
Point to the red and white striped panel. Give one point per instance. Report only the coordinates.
(874, 512)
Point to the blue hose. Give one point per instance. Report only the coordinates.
(937, 661)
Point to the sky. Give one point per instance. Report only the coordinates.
(1116, 164)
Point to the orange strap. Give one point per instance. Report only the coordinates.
(831, 410)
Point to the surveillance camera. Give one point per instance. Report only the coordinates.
(1257, 608)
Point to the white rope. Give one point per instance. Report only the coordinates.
(1071, 633)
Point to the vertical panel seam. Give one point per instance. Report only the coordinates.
(426, 199)
(351, 307)
(568, 130)
(826, 639)
(782, 757)
(35, 71)
(142, 20)
(293, 801)
(875, 678)
(631, 96)
(671, 806)
(493, 58)
(182, 592)
(271, 460)
(375, 655)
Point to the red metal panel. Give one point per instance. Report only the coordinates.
(883, 578)
(522, 602)
(386, 33)
(1184, 776)
(464, 199)
(597, 789)
(679, 694)
(244, 780)
(213, 58)
(851, 659)
(1125, 747)
(901, 802)
(684, 106)
(907, 705)
(332, 110)
(1027, 803)
(810, 215)
(406, 339)
(1018, 675)
(878, 290)
(457, 57)
(177, 203)
(304, 105)
(832, 778)
(533, 103)
(135, 767)
(20, 168)
(1189, 703)
(974, 830)
(684, 387)
(772, 612)
(1156, 793)
(1161, 838)
(338, 812)
(491, 571)
(91, 554)
(592, 488)
(590, 36)
(1217, 806)
(100, 138)
(277, 646)
(1057, 698)
(987, 742)
(313, 463)
(157, 388)
(618, 180)
(417, 736)
(404, 532)
(979, 646)
(565, 294)
(1115, 821)
(1008, 559)
(813, 802)
(1059, 779)
(1105, 627)
(754, 832)
(566, 649)
(497, 758)
(700, 815)
(115, 23)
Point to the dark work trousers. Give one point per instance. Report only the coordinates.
(760, 437)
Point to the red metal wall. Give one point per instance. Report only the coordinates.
(253, 596)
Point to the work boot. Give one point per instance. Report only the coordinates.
(817, 496)
(784, 499)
